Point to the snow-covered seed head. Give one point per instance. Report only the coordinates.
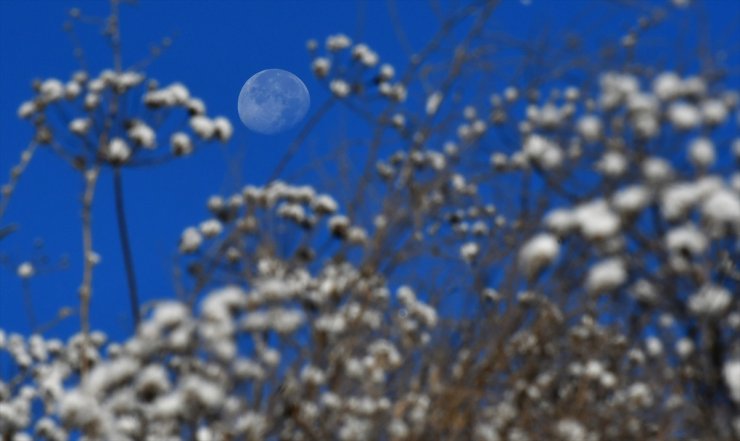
(223, 128)
(117, 151)
(340, 88)
(537, 253)
(701, 153)
(181, 144)
(26, 270)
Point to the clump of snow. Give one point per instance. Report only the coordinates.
(631, 200)
(606, 275)
(731, 373)
(596, 220)
(537, 253)
(721, 211)
(701, 153)
(710, 301)
(686, 239)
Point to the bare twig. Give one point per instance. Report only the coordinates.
(15, 175)
(91, 179)
(128, 259)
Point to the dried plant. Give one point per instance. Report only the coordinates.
(558, 261)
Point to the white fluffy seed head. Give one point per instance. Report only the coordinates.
(321, 66)
(26, 270)
(537, 253)
(731, 373)
(340, 88)
(590, 128)
(203, 126)
(181, 144)
(606, 275)
(711, 301)
(118, 151)
(433, 102)
(701, 153)
(684, 116)
(26, 109)
(223, 128)
(469, 251)
(142, 135)
(80, 126)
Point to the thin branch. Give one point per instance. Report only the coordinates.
(62, 314)
(295, 145)
(128, 259)
(91, 179)
(28, 303)
(15, 175)
(114, 29)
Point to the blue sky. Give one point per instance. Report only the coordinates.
(217, 46)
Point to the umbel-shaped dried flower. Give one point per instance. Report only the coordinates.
(548, 256)
(104, 132)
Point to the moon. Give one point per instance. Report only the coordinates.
(273, 101)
